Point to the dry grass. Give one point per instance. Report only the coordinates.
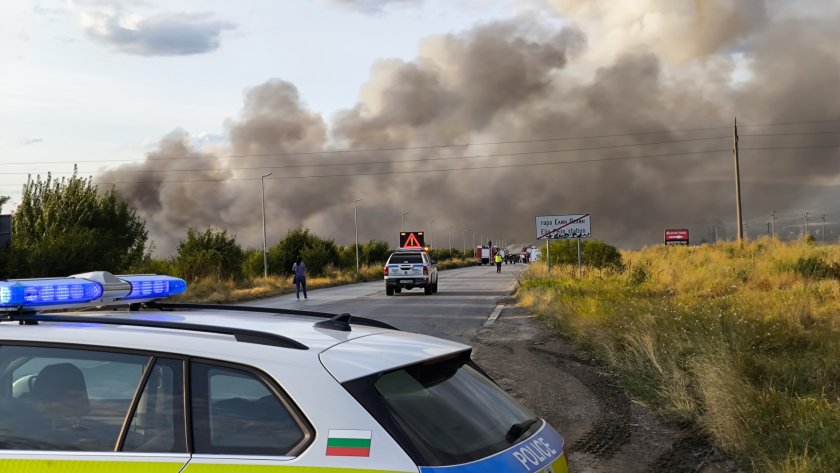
(742, 341)
(220, 292)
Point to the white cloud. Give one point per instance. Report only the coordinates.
(32, 141)
(373, 6)
(167, 34)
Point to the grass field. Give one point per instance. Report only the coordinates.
(216, 291)
(741, 341)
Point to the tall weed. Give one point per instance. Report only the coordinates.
(742, 340)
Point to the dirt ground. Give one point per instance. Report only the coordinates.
(605, 430)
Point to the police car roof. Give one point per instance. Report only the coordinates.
(389, 349)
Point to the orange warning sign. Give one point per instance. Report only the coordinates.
(413, 240)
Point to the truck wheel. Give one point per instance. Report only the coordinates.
(428, 290)
(434, 288)
(389, 291)
(398, 290)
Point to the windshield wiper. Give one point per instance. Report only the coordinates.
(517, 430)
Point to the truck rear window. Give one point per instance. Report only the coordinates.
(444, 412)
(406, 259)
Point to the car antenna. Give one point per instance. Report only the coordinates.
(340, 322)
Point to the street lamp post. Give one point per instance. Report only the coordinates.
(265, 246)
(432, 233)
(403, 221)
(356, 225)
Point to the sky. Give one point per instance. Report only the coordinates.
(74, 89)
(622, 110)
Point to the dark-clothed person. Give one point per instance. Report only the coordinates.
(299, 270)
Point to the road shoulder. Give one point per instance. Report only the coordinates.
(605, 430)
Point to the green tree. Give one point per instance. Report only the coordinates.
(211, 253)
(68, 226)
(318, 254)
(4, 199)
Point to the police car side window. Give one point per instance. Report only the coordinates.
(234, 412)
(65, 399)
(158, 421)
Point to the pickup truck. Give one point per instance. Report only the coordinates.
(410, 269)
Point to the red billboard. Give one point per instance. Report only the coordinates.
(677, 236)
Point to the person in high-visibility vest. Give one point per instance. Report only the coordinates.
(499, 261)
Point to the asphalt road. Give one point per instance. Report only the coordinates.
(466, 297)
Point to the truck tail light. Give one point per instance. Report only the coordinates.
(385, 270)
(425, 270)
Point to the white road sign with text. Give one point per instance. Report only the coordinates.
(561, 227)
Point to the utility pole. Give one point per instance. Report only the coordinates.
(768, 228)
(356, 225)
(265, 244)
(746, 231)
(449, 235)
(716, 233)
(464, 234)
(806, 224)
(773, 224)
(740, 222)
(823, 229)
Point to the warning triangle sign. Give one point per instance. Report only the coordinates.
(412, 242)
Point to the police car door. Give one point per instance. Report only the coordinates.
(65, 408)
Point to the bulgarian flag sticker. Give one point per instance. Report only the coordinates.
(348, 443)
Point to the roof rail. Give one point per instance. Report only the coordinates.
(268, 310)
(241, 335)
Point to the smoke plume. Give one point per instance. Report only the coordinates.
(629, 68)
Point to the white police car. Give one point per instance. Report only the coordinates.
(155, 387)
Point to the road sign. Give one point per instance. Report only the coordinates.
(676, 236)
(412, 240)
(562, 227)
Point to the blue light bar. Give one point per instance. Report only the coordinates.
(149, 287)
(32, 293)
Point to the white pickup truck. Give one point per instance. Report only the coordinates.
(408, 269)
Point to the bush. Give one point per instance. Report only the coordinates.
(252, 267)
(211, 253)
(317, 253)
(593, 253)
(813, 267)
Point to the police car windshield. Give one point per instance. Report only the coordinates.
(446, 412)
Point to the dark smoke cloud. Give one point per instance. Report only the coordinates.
(668, 70)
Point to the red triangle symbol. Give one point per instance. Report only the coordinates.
(411, 242)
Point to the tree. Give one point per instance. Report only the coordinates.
(68, 226)
(4, 199)
(318, 254)
(211, 253)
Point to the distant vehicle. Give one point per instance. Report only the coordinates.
(485, 254)
(407, 269)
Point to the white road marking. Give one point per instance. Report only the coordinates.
(494, 315)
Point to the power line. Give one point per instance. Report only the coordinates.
(420, 160)
(420, 171)
(456, 145)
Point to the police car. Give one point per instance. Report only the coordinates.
(98, 374)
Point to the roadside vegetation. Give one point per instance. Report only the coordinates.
(742, 342)
(69, 226)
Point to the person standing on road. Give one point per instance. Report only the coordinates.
(498, 262)
(299, 271)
